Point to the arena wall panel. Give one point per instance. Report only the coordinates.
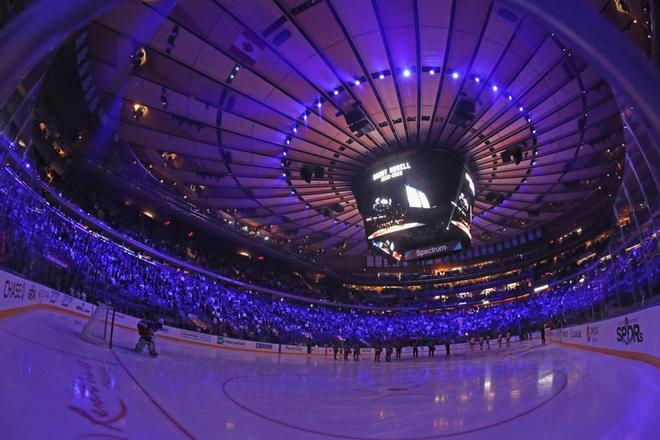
(634, 335)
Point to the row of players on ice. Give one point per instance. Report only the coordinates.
(147, 329)
(346, 350)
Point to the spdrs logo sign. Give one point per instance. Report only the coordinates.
(629, 332)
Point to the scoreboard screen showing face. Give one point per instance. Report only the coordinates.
(416, 205)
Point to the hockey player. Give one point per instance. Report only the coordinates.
(389, 349)
(377, 351)
(335, 349)
(146, 329)
(356, 352)
(472, 341)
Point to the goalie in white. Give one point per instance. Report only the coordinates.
(147, 329)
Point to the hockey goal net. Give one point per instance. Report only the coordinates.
(100, 327)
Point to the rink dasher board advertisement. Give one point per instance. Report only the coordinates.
(634, 332)
(19, 292)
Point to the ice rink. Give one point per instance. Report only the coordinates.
(54, 385)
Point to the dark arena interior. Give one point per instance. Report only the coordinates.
(329, 219)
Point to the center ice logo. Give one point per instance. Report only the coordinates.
(96, 404)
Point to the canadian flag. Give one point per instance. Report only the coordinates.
(247, 47)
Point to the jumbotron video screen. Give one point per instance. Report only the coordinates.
(416, 205)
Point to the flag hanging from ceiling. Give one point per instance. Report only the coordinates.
(247, 48)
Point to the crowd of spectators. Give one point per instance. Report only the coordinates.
(199, 247)
(39, 241)
(207, 251)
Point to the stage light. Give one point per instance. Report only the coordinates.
(495, 88)
(432, 72)
(305, 116)
(139, 110)
(295, 129)
(520, 108)
(454, 75)
(319, 104)
(406, 72)
(381, 76)
(476, 79)
(510, 98)
(357, 82)
(336, 92)
(284, 153)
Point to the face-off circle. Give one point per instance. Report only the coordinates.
(389, 401)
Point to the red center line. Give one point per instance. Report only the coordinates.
(156, 404)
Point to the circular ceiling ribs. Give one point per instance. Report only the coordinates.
(241, 131)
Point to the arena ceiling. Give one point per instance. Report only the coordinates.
(240, 95)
